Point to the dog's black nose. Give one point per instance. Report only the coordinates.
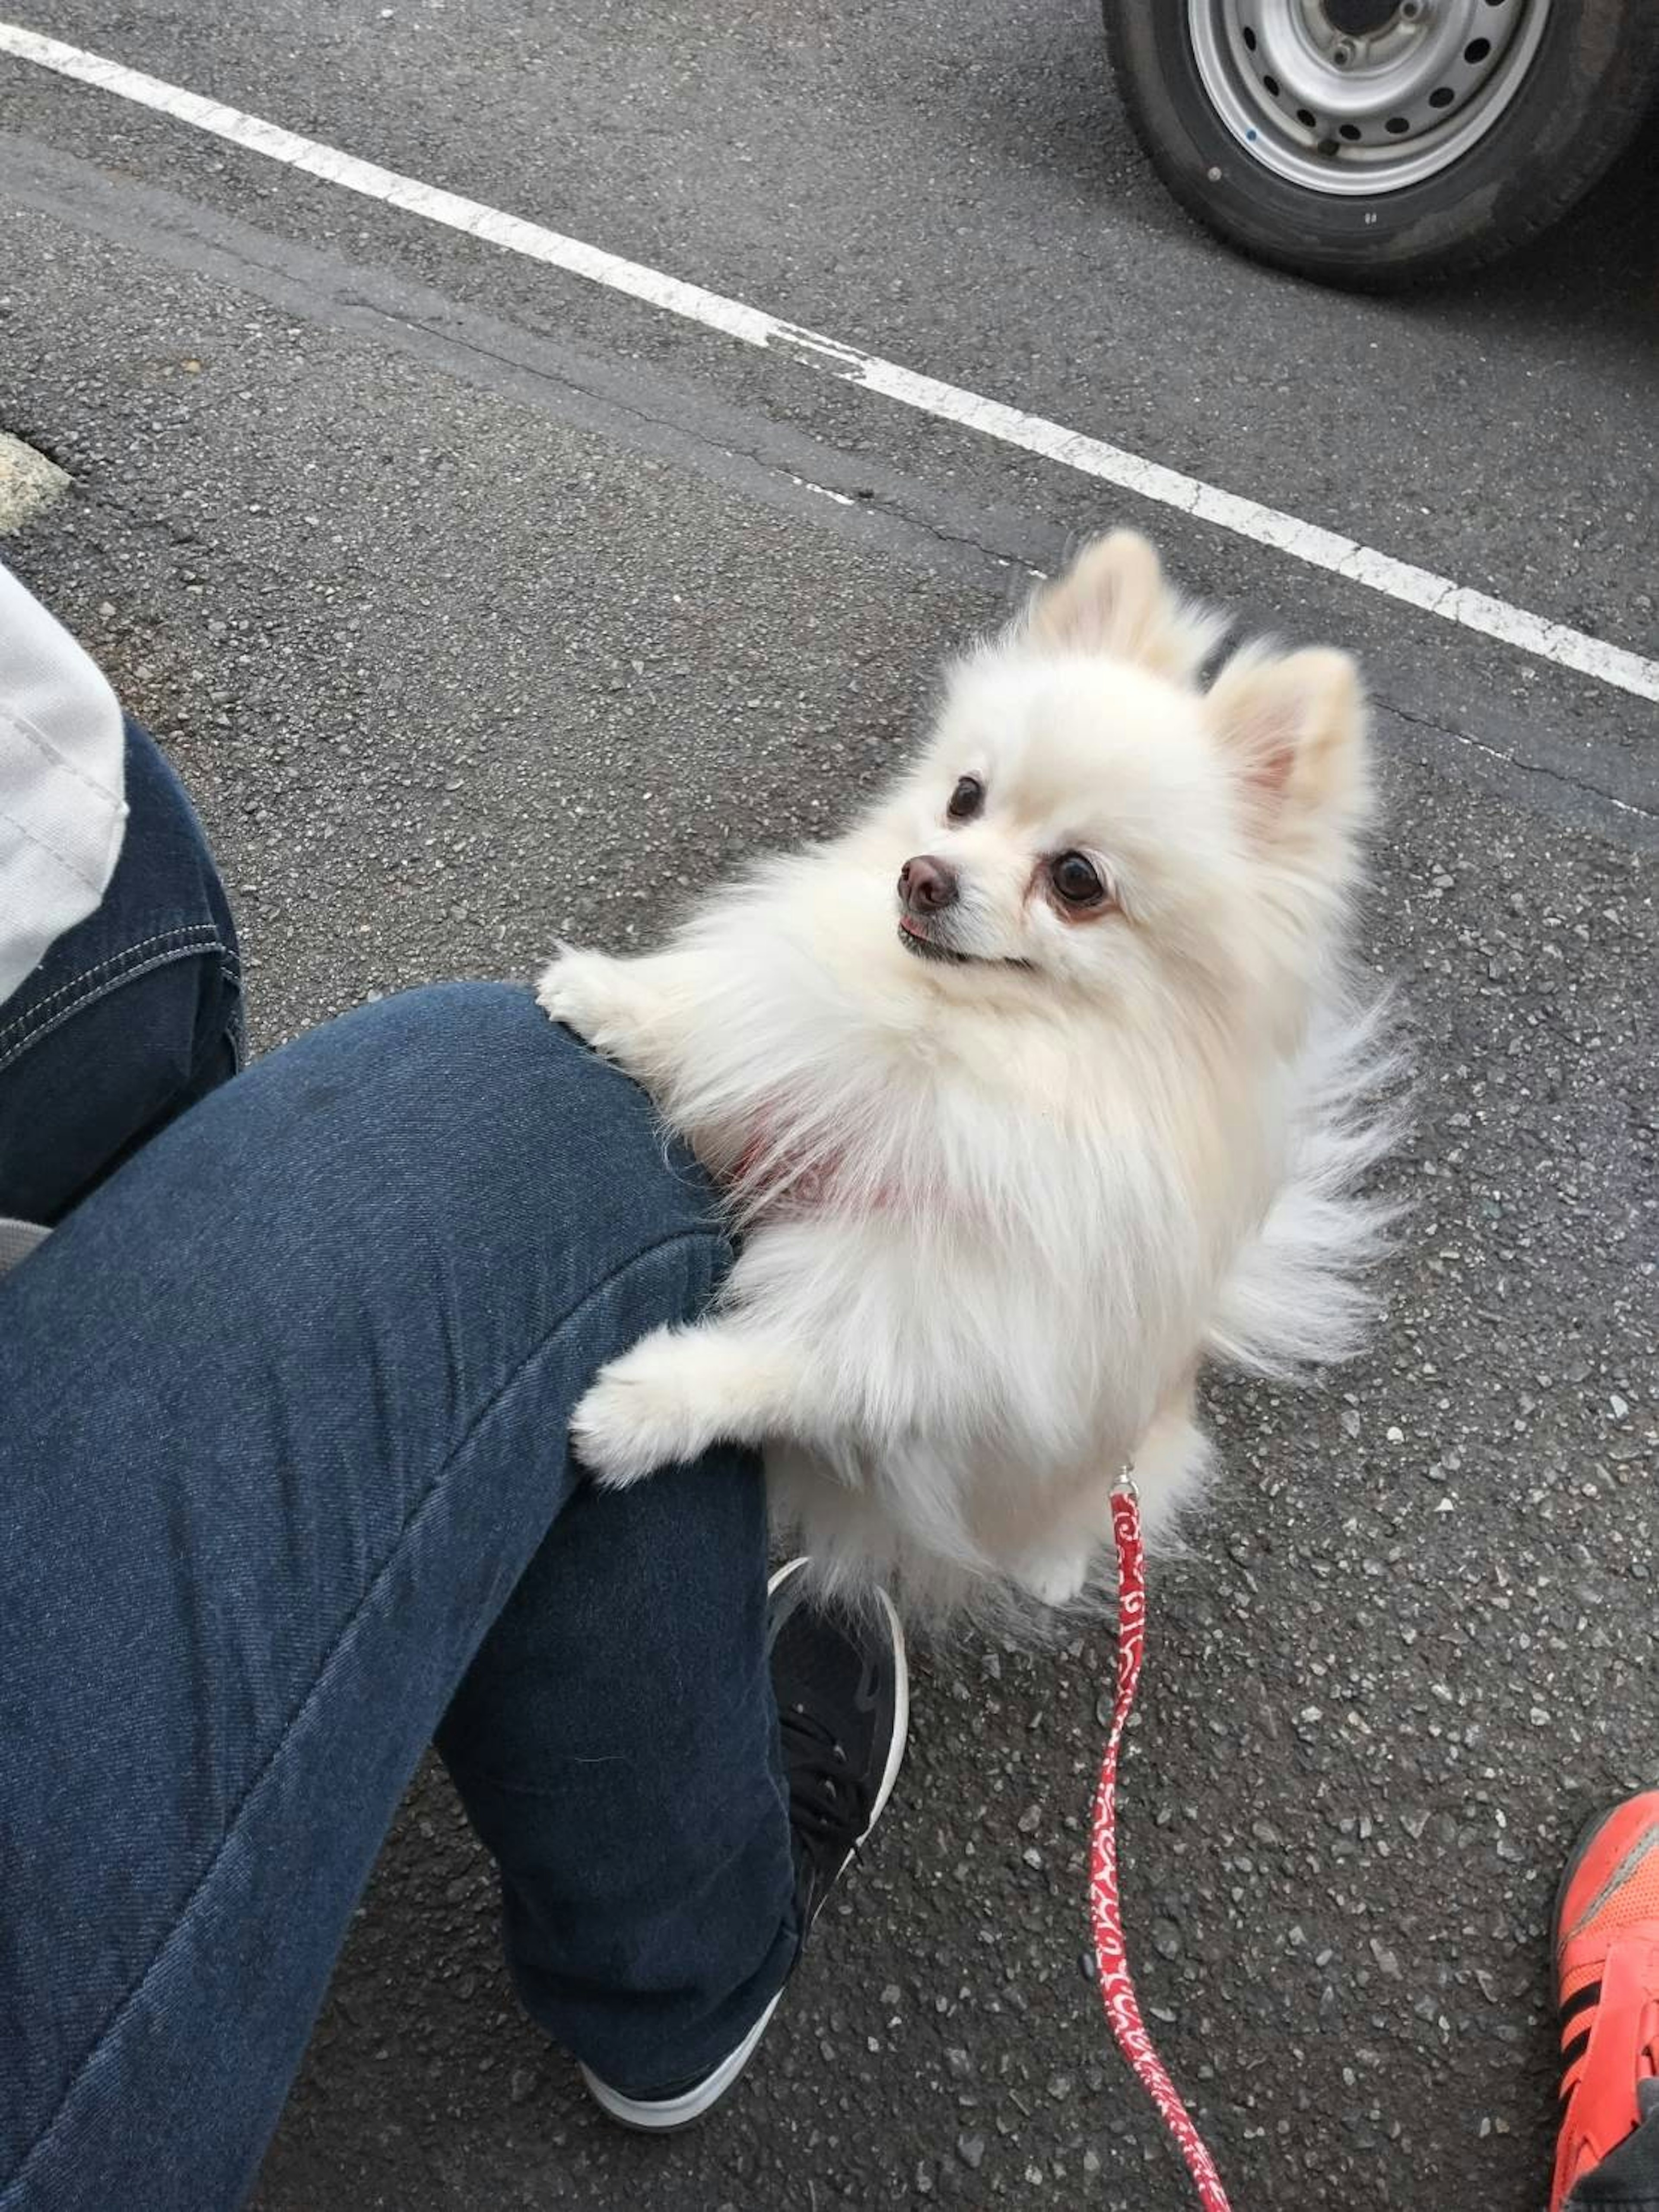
(926, 885)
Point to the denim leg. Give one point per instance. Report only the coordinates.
(132, 1016)
(633, 1891)
(285, 1405)
(1627, 2178)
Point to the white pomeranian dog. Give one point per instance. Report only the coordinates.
(1035, 1088)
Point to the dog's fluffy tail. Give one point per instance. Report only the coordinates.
(1296, 1297)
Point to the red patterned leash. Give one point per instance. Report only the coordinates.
(1117, 1987)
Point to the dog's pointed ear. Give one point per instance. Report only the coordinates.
(1114, 600)
(1294, 728)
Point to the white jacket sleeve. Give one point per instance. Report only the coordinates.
(61, 812)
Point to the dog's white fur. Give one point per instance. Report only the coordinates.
(995, 1215)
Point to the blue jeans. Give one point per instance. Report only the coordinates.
(284, 1493)
(129, 1018)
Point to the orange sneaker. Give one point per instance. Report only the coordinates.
(1606, 1966)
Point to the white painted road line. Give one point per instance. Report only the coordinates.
(993, 418)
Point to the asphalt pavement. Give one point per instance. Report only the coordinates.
(481, 606)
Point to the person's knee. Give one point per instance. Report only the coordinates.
(132, 1016)
(437, 1038)
(127, 1050)
(471, 1087)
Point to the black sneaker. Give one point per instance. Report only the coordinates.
(843, 1713)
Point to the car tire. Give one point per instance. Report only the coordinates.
(1588, 83)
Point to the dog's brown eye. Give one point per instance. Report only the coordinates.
(966, 799)
(1077, 880)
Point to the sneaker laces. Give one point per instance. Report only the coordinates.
(829, 1804)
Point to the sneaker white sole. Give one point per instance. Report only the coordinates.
(661, 2116)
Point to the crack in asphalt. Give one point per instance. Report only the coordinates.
(1518, 761)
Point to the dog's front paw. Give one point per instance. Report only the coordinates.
(635, 1416)
(1055, 1578)
(587, 992)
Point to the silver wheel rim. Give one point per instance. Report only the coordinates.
(1345, 113)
